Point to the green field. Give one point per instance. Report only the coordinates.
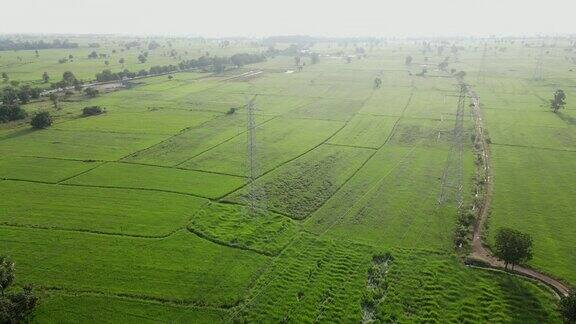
(141, 214)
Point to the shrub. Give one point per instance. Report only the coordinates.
(91, 92)
(11, 112)
(41, 120)
(92, 111)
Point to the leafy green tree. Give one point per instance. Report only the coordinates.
(568, 307)
(91, 92)
(69, 78)
(45, 77)
(93, 55)
(297, 60)
(377, 83)
(559, 100)
(5, 77)
(15, 307)
(142, 58)
(41, 120)
(513, 247)
(10, 112)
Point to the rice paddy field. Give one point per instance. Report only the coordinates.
(142, 213)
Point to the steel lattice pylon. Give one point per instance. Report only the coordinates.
(539, 61)
(255, 198)
(453, 173)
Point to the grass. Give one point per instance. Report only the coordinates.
(365, 131)
(159, 121)
(85, 308)
(80, 145)
(536, 199)
(430, 287)
(192, 142)
(304, 184)
(182, 268)
(139, 214)
(233, 225)
(125, 175)
(106, 210)
(282, 140)
(40, 169)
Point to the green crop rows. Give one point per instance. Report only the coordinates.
(139, 214)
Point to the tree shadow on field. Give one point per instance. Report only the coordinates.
(522, 305)
(568, 119)
(18, 133)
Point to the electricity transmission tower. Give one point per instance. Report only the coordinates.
(482, 71)
(538, 68)
(453, 173)
(255, 198)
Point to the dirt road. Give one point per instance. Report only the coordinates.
(479, 251)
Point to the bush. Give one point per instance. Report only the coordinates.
(15, 307)
(231, 111)
(11, 112)
(91, 92)
(92, 111)
(41, 120)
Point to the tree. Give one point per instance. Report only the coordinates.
(10, 112)
(348, 59)
(5, 77)
(45, 77)
(69, 78)
(54, 98)
(297, 60)
(315, 58)
(121, 61)
(41, 120)
(408, 60)
(568, 307)
(93, 55)
(92, 111)
(106, 62)
(513, 247)
(142, 58)
(559, 100)
(91, 92)
(377, 83)
(14, 306)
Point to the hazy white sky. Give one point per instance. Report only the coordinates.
(214, 18)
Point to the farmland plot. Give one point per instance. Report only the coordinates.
(281, 140)
(180, 268)
(193, 142)
(105, 210)
(233, 225)
(124, 175)
(304, 184)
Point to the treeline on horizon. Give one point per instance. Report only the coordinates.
(10, 45)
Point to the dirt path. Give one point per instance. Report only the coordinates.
(479, 251)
